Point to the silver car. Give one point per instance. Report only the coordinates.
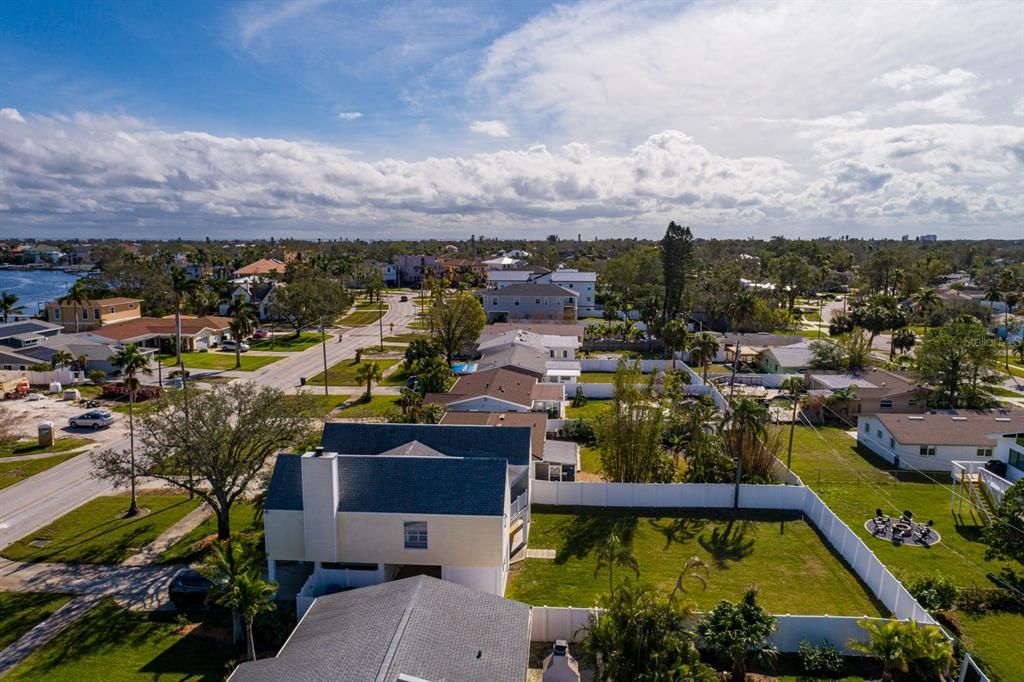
(96, 419)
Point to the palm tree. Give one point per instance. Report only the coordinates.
(673, 335)
(9, 305)
(182, 286)
(243, 320)
(690, 571)
(82, 362)
(368, 372)
(794, 386)
(903, 340)
(926, 300)
(613, 553)
(1018, 348)
(889, 644)
(227, 562)
(130, 360)
(61, 359)
(703, 349)
(738, 632)
(78, 296)
(746, 418)
(250, 596)
(741, 310)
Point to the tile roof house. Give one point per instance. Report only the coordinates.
(501, 390)
(94, 313)
(931, 441)
(376, 502)
(264, 267)
(197, 333)
(418, 628)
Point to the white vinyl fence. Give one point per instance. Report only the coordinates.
(549, 623)
(746, 379)
(65, 377)
(607, 391)
(886, 588)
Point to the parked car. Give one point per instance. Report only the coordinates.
(97, 419)
(35, 395)
(404, 299)
(261, 334)
(188, 589)
(230, 345)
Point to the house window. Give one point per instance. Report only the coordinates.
(885, 403)
(565, 354)
(892, 443)
(494, 301)
(879, 431)
(537, 301)
(85, 313)
(56, 313)
(515, 302)
(984, 452)
(1016, 460)
(415, 534)
(96, 314)
(927, 450)
(912, 403)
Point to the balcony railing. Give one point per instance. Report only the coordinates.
(518, 506)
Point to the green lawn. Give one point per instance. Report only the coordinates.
(994, 642)
(407, 337)
(1005, 392)
(114, 644)
(854, 482)
(1015, 371)
(375, 349)
(325, 403)
(591, 410)
(361, 318)
(590, 459)
(378, 406)
(344, 373)
(221, 360)
(783, 555)
(13, 472)
(32, 447)
(22, 611)
(595, 378)
(194, 546)
(289, 342)
(98, 533)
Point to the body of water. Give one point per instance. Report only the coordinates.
(35, 287)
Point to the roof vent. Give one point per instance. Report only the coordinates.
(1003, 419)
(318, 451)
(959, 419)
(916, 418)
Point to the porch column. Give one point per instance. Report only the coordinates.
(272, 570)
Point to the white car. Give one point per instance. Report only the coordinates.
(230, 345)
(96, 419)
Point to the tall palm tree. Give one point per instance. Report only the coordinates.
(61, 359)
(9, 305)
(82, 362)
(926, 300)
(250, 596)
(78, 296)
(131, 361)
(613, 553)
(1007, 283)
(368, 373)
(673, 335)
(243, 321)
(182, 286)
(741, 310)
(747, 418)
(227, 562)
(703, 349)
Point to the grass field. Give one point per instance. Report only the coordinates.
(375, 349)
(344, 373)
(378, 406)
(361, 318)
(98, 533)
(326, 404)
(113, 644)
(591, 410)
(1005, 392)
(196, 544)
(854, 482)
(289, 343)
(793, 568)
(596, 378)
(221, 360)
(407, 337)
(994, 641)
(14, 472)
(22, 611)
(590, 459)
(32, 447)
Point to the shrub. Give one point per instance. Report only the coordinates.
(97, 376)
(579, 400)
(823, 661)
(579, 430)
(935, 593)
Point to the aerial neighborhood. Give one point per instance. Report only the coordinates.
(489, 341)
(339, 447)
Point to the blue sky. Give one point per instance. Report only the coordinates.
(328, 118)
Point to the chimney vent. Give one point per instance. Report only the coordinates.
(318, 451)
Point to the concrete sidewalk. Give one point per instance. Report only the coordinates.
(187, 524)
(42, 633)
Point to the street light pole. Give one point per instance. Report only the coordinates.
(323, 339)
(380, 318)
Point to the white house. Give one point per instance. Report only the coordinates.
(259, 293)
(378, 502)
(583, 282)
(930, 442)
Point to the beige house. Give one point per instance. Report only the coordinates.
(379, 502)
(876, 391)
(94, 313)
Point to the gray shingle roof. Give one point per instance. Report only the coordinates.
(421, 485)
(527, 290)
(285, 490)
(26, 327)
(509, 444)
(421, 626)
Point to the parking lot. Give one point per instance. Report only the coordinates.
(25, 415)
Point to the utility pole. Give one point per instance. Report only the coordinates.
(380, 318)
(323, 342)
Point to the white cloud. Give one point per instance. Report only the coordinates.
(259, 18)
(1018, 108)
(492, 128)
(118, 175)
(11, 114)
(350, 115)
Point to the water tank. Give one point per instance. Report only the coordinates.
(72, 394)
(47, 434)
(55, 387)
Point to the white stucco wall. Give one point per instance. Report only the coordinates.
(468, 541)
(873, 434)
(284, 533)
(319, 502)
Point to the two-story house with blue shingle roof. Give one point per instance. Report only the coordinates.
(378, 502)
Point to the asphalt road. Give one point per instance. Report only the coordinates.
(45, 497)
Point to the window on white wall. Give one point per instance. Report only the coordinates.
(885, 403)
(984, 452)
(928, 450)
(415, 534)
